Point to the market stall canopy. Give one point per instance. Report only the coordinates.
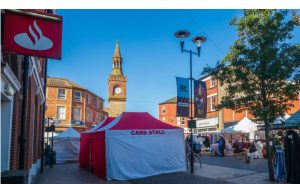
(276, 125)
(145, 146)
(245, 125)
(293, 121)
(101, 124)
(86, 142)
(280, 119)
(229, 130)
(67, 146)
(69, 133)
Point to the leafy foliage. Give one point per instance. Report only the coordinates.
(261, 73)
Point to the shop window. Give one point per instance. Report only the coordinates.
(183, 120)
(178, 120)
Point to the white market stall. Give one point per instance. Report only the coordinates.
(66, 145)
(243, 126)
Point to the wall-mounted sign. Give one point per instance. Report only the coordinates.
(207, 122)
(32, 33)
(77, 123)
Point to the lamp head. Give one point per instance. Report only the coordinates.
(199, 40)
(182, 34)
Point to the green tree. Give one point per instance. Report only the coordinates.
(261, 72)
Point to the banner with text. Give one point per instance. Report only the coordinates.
(200, 102)
(182, 108)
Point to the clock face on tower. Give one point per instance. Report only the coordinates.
(117, 90)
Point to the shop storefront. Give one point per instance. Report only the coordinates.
(209, 124)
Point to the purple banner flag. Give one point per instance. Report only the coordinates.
(182, 109)
(200, 102)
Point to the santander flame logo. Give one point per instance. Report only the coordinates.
(35, 40)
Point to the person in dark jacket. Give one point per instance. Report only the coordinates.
(221, 143)
(292, 156)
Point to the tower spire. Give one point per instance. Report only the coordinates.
(117, 50)
(117, 61)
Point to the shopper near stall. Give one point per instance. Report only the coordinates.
(221, 143)
(259, 147)
(292, 156)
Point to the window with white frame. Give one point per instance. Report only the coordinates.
(77, 96)
(163, 109)
(61, 94)
(178, 120)
(89, 99)
(61, 112)
(98, 103)
(77, 114)
(213, 103)
(212, 83)
(88, 116)
(163, 119)
(183, 120)
(97, 117)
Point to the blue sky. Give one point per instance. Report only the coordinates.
(151, 52)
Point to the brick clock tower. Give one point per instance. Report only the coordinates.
(117, 85)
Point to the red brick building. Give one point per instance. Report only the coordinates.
(215, 120)
(71, 104)
(22, 110)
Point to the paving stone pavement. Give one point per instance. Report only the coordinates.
(232, 175)
(70, 174)
(207, 174)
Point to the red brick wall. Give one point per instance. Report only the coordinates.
(34, 117)
(52, 103)
(13, 61)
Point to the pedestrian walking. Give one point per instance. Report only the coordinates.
(221, 143)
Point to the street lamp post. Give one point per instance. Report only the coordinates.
(198, 40)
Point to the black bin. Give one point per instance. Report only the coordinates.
(14, 177)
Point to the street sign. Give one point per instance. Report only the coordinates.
(77, 123)
(50, 128)
(54, 121)
(191, 123)
(32, 33)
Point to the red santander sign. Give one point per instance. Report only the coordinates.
(32, 33)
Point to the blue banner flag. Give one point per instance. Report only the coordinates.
(182, 109)
(200, 102)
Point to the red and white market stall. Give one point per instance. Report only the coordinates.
(137, 145)
(86, 143)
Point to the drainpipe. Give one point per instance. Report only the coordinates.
(43, 124)
(24, 112)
